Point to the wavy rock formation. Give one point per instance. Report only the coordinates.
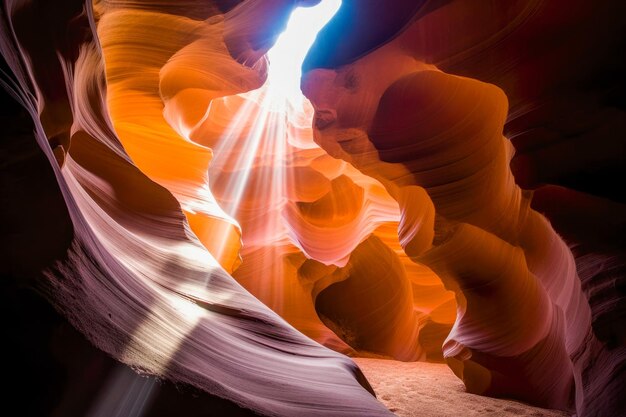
(296, 204)
(439, 137)
(480, 217)
(202, 227)
(131, 274)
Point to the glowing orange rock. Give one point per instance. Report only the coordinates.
(132, 276)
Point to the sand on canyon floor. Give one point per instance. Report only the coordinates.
(422, 389)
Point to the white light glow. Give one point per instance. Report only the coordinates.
(251, 158)
(287, 55)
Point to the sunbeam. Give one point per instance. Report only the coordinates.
(250, 158)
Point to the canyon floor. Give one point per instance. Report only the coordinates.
(411, 389)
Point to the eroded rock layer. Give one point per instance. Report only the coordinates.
(419, 129)
(201, 227)
(129, 270)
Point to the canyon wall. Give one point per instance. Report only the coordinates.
(444, 196)
(461, 107)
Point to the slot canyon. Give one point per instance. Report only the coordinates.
(313, 207)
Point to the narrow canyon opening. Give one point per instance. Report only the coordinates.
(292, 45)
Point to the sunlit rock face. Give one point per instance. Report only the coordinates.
(426, 112)
(516, 286)
(208, 225)
(129, 265)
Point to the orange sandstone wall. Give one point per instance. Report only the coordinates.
(390, 216)
(424, 110)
